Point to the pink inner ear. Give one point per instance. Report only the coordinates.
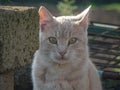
(43, 23)
(84, 21)
(83, 17)
(45, 17)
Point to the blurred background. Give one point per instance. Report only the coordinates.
(68, 4)
(104, 35)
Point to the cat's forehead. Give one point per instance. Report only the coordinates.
(65, 23)
(65, 19)
(65, 27)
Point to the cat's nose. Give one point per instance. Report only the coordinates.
(62, 53)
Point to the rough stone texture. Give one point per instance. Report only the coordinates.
(18, 36)
(7, 81)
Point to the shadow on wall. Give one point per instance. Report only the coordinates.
(22, 78)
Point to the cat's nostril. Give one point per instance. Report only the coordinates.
(62, 53)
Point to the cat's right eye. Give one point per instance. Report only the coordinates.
(72, 40)
(52, 40)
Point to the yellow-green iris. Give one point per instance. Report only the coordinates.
(72, 40)
(52, 40)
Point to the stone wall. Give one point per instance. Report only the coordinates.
(18, 36)
(18, 41)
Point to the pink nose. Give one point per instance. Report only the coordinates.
(62, 53)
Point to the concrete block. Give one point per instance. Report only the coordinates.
(18, 36)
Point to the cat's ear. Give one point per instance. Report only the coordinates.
(83, 17)
(45, 16)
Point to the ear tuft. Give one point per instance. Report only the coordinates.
(84, 17)
(45, 16)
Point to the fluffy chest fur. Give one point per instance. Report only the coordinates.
(71, 75)
(70, 72)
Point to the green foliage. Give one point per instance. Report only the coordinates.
(5, 1)
(113, 6)
(66, 7)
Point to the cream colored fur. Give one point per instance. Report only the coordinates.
(73, 72)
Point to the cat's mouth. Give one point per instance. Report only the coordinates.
(61, 60)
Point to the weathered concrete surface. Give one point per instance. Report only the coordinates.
(18, 42)
(18, 36)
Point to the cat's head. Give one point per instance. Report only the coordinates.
(63, 39)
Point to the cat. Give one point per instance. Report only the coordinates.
(62, 61)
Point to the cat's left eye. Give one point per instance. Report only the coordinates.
(72, 40)
(52, 40)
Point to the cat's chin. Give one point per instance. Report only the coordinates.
(61, 61)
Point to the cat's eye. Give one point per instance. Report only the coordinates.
(72, 40)
(52, 40)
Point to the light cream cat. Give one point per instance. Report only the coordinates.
(62, 61)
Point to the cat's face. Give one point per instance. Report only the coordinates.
(63, 39)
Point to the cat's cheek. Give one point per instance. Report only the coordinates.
(52, 55)
(70, 55)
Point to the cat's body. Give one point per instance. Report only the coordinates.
(62, 61)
